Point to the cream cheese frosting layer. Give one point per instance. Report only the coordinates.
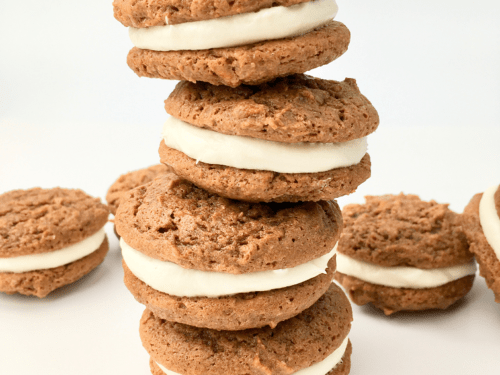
(320, 368)
(243, 152)
(241, 29)
(53, 259)
(490, 222)
(170, 278)
(402, 277)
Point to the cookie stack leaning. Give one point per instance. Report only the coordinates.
(233, 254)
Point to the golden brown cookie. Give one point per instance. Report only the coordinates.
(267, 186)
(294, 344)
(235, 312)
(250, 64)
(40, 223)
(144, 13)
(296, 108)
(172, 220)
(489, 264)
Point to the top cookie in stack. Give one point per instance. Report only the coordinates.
(230, 42)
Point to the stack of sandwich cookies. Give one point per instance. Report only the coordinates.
(196, 258)
(49, 238)
(401, 253)
(296, 138)
(231, 43)
(482, 227)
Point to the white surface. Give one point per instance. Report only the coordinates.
(73, 114)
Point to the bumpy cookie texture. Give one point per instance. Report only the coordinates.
(43, 220)
(130, 181)
(343, 368)
(251, 64)
(294, 344)
(236, 312)
(489, 264)
(392, 300)
(296, 108)
(41, 283)
(266, 186)
(402, 230)
(171, 219)
(146, 13)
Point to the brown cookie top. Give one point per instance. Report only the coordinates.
(402, 230)
(43, 220)
(171, 219)
(146, 13)
(294, 344)
(249, 64)
(295, 108)
(129, 181)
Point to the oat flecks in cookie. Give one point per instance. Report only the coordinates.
(43, 220)
(251, 64)
(402, 230)
(144, 13)
(171, 219)
(296, 108)
(294, 344)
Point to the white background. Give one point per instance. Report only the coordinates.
(73, 114)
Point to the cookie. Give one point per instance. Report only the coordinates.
(482, 227)
(296, 108)
(248, 64)
(49, 238)
(401, 253)
(316, 337)
(129, 181)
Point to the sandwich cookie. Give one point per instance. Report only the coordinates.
(315, 342)
(482, 227)
(401, 253)
(248, 47)
(296, 138)
(49, 238)
(200, 259)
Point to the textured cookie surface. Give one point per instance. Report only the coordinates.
(43, 220)
(296, 108)
(145, 13)
(129, 181)
(489, 264)
(236, 312)
(251, 64)
(42, 282)
(391, 300)
(294, 344)
(171, 219)
(402, 230)
(266, 186)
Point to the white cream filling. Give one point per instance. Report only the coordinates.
(26, 263)
(402, 277)
(241, 29)
(170, 278)
(253, 153)
(490, 222)
(320, 368)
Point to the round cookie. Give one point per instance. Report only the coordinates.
(404, 236)
(267, 186)
(489, 264)
(40, 223)
(172, 220)
(129, 181)
(142, 13)
(235, 312)
(249, 64)
(294, 344)
(296, 108)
